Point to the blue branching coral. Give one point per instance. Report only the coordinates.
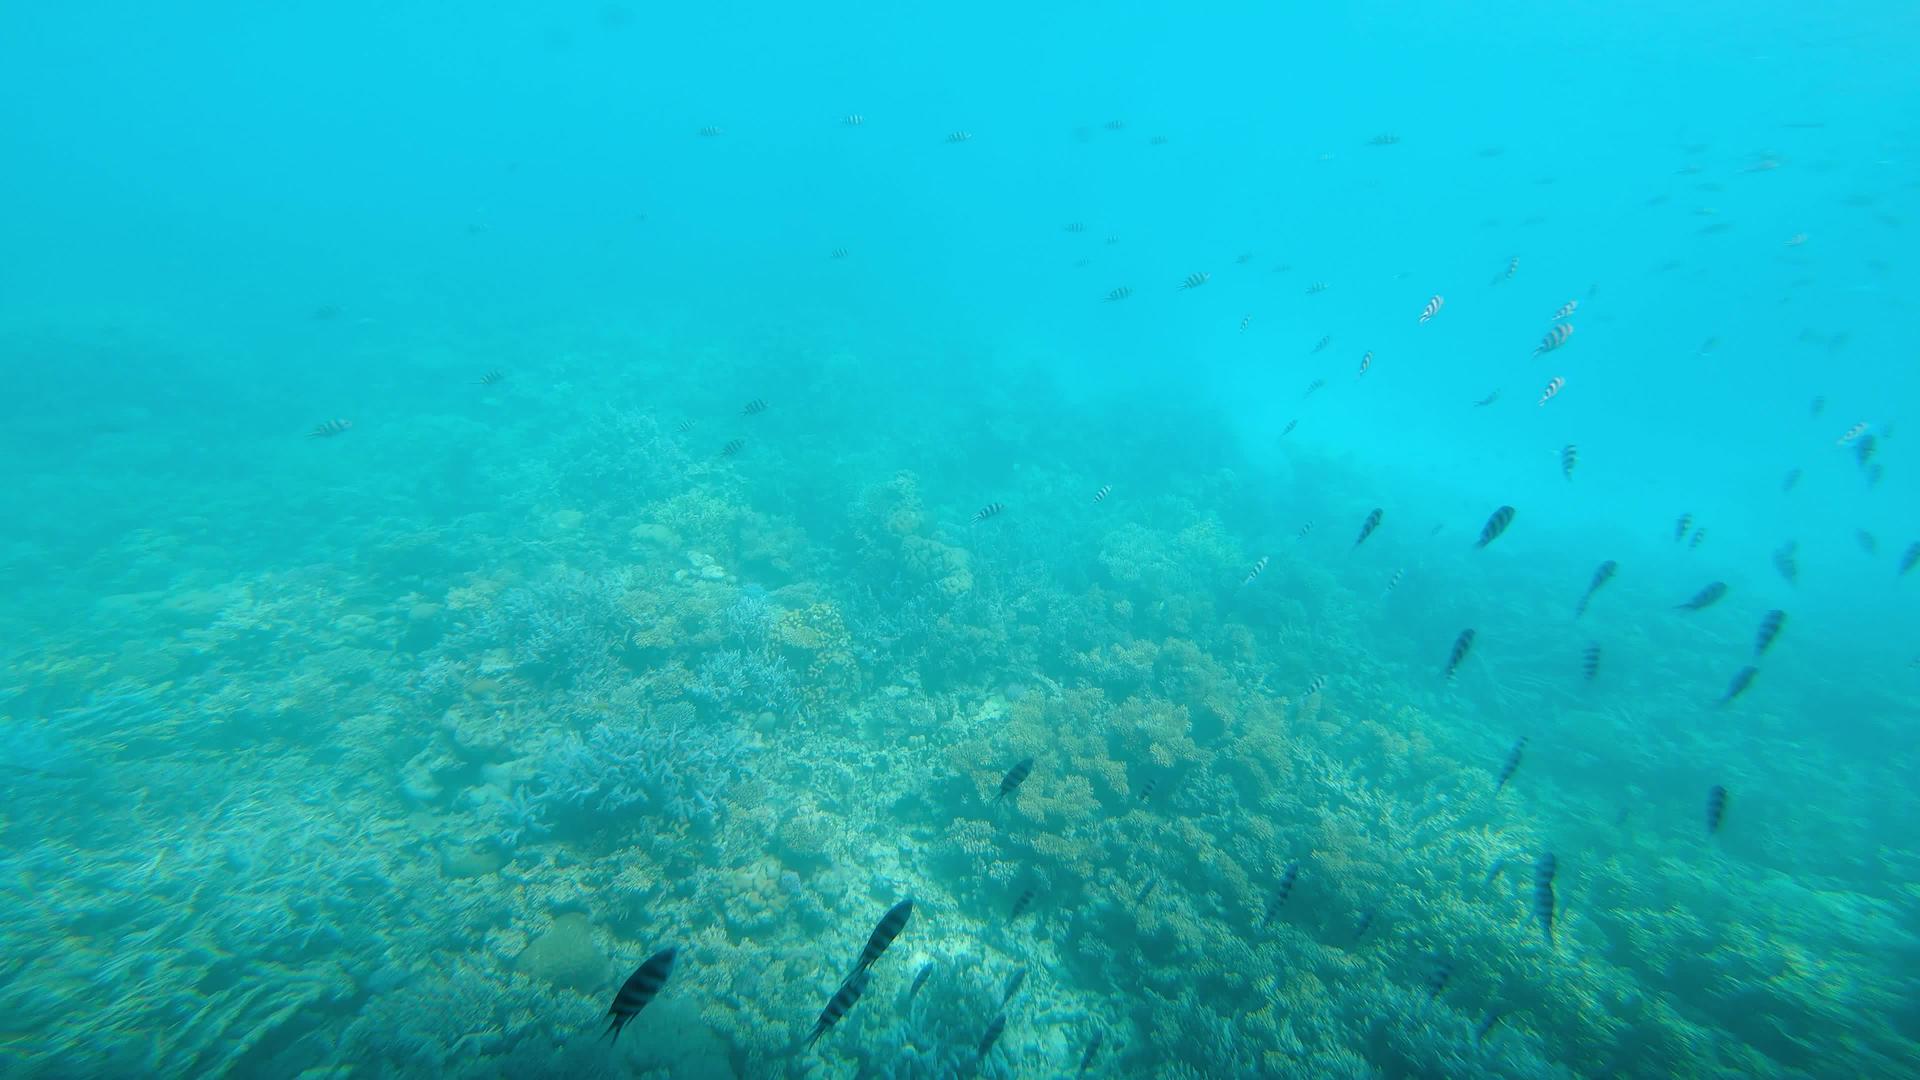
(739, 680)
(663, 765)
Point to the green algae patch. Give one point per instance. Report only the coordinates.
(566, 955)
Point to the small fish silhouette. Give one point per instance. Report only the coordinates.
(1601, 575)
(1566, 310)
(711, 132)
(1569, 456)
(1461, 646)
(1786, 563)
(1543, 871)
(1014, 778)
(733, 447)
(328, 429)
(1554, 386)
(1770, 625)
(1742, 679)
(1555, 338)
(987, 511)
(1101, 495)
(888, 928)
(1488, 400)
(1196, 279)
(1716, 807)
(1368, 526)
(1259, 565)
(842, 1000)
(1366, 362)
(1681, 526)
(853, 120)
(1120, 293)
(956, 137)
(1282, 890)
(1590, 662)
(492, 376)
(1708, 596)
(755, 407)
(1496, 524)
(639, 989)
(1433, 308)
(1512, 763)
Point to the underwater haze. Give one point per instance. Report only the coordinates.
(608, 539)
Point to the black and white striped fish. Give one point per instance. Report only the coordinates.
(1554, 385)
(1196, 279)
(1316, 287)
(1366, 361)
(1021, 902)
(754, 407)
(1590, 661)
(710, 132)
(1569, 456)
(1282, 890)
(959, 136)
(1852, 433)
(1709, 595)
(1015, 776)
(853, 120)
(837, 1005)
(920, 979)
(1075, 227)
(1508, 767)
(1742, 679)
(1288, 430)
(1716, 807)
(1543, 871)
(733, 447)
(1513, 266)
(492, 376)
(329, 428)
(1497, 523)
(1555, 338)
(1244, 320)
(1101, 495)
(1601, 575)
(1699, 535)
(1304, 530)
(1681, 526)
(1462, 645)
(1393, 582)
(1321, 345)
(639, 989)
(1566, 310)
(1770, 626)
(1433, 308)
(1120, 293)
(1488, 400)
(889, 927)
(990, 510)
(839, 253)
(1314, 686)
(1371, 523)
(1258, 566)
(1786, 563)
(1313, 387)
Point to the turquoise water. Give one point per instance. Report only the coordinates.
(393, 749)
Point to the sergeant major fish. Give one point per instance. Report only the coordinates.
(1601, 575)
(1461, 646)
(640, 988)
